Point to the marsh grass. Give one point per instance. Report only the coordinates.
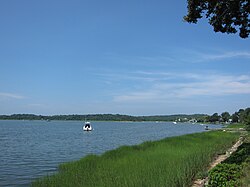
(169, 162)
(236, 125)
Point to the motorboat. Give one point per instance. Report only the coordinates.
(87, 126)
(175, 122)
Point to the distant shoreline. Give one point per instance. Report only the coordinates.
(106, 117)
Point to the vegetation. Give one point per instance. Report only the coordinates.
(169, 162)
(230, 172)
(214, 118)
(225, 16)
(236, 125)
(225, 116)
(234, 171)
(225, 175)
(242, 116)
(245, 180)
(102, 117)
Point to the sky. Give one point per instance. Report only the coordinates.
(129, 57)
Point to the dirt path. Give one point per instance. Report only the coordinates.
(219, 159)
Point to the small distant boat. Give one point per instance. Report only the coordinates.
(87, 126)
(175, 122)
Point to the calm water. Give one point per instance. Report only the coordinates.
(31, 149)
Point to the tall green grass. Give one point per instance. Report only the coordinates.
(236, 125)
(169, 162)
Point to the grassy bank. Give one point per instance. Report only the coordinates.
(169, 162)
(236, 125)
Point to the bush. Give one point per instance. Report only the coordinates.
(240, 155)
(247, 122)
(225, 175)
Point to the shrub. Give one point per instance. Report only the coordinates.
(240, 155)
(225, 175)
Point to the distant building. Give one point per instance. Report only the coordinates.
(193, 120)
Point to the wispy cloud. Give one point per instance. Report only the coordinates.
(198, 56)
(145, 76)
(225, 55)
(199, 85)
(202, 55)
(11, 95)
(182, 55)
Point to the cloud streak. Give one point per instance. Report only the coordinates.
(201, 56)
(10, 95)
(227, 55)
(197, 85)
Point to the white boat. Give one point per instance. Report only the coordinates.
(175, 122)
(87, 126)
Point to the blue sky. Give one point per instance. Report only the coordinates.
(128, 57)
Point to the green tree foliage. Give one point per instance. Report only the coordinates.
(225, 116)
(235, 117)
(102, 117)
(214, 118)
(244, 117)
(226, 16)
(244, 114)
(241, 114)
(248, 123)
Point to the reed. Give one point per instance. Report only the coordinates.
(169, 162)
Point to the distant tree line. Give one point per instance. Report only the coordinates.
(241, 116)
(103, 117)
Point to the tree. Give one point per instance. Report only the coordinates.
(225, 116)
(248, 123)
(242, 115)
(235, 118)
(214, 118)
(226, 16)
